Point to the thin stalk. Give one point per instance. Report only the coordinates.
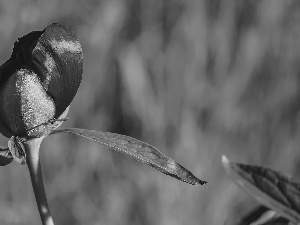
(32, 149)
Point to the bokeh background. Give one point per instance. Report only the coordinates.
(195, 78)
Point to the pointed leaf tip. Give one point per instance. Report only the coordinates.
(138, 150)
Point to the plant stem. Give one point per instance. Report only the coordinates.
(32, 148)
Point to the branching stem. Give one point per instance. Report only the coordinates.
(32, 148)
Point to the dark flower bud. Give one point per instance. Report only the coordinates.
(39, 81)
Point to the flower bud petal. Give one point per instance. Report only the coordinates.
(58, 58)
(28, 102)
(39, 81)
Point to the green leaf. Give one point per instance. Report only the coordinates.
(262, 215)
(138, 150)
(5, 156)
(253, 215)
(276, 221)
(271, 188)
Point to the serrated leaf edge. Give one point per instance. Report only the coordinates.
(196, 181)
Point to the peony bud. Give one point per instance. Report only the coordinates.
(39, 81)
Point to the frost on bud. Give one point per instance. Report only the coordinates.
(39, 81)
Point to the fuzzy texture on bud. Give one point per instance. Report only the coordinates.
(39, 81)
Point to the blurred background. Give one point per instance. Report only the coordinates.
(195, 78)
